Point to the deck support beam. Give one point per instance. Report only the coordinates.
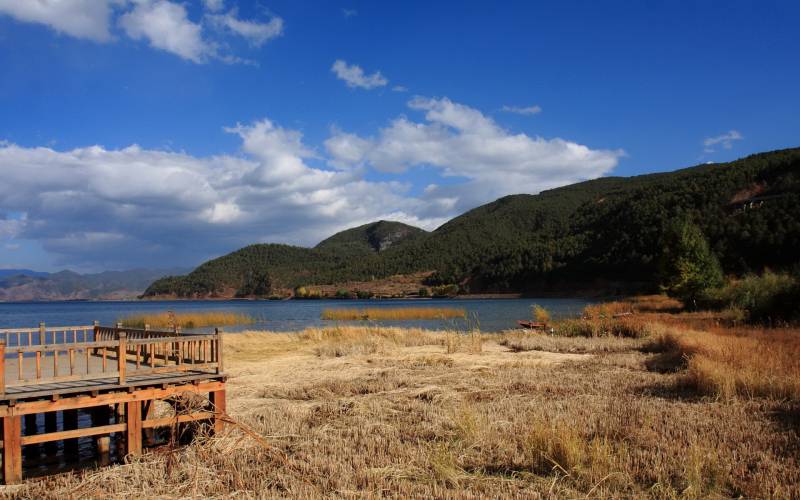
(133, 434)
(217, 399)
(12, 449)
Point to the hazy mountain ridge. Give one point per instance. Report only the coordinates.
(25, 285)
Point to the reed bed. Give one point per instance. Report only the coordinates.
(186, 320)
(393, 313)
(739, 362)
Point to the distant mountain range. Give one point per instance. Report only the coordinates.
(18, 285)
(604, 234)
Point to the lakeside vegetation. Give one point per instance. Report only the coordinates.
(607, 234)
(393, 313)
(198, 319)
(695, 405)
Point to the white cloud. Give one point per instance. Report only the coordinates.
(79, 18)
(214, 5)
(164, 24)
(348, 13)
(400, 88)
(133, 206)
(520, 110)
(726, 140)
(354, 76)
(167, 27)
(462, 142)
(255, 32)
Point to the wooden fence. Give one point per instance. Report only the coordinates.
(31, 357)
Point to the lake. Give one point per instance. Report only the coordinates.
(289, 315)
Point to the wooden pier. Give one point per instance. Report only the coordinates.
(105, 372)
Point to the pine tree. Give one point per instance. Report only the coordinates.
(688, 266)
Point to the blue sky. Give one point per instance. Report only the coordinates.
(156, 133)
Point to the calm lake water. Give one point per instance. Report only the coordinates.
(290, 315)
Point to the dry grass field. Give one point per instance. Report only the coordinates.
(676, 412)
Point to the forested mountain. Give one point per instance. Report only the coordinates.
(373, 237)
(606, 232)
(25, 285)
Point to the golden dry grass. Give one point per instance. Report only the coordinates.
(393, 313)
(423, 416)
(737, 362)
(186, 320)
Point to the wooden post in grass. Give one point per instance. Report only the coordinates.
(217, 399)
(12, 449)
(133, 434)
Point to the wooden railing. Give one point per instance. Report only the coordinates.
(48, 335)
(111, 353)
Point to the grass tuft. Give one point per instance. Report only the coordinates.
(393, 313)
(186, 320)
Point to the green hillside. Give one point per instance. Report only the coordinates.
(605, 232)
(373, 237)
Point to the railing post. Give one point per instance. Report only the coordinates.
(96, 325)
(147, 327)
(220, 367)
(42, 333)
(2, 367)
(122, 349)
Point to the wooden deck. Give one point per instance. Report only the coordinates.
(101, 370)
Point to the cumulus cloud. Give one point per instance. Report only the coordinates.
(354, 76)
(163, 24)
(256, 33)
(79, 18)
(726, 140)
(522, 110)
(462, 142)
(214, 5)
(166, 26)
(133, 206)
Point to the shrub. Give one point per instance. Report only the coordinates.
(769, 298)
(424, 292)
(445, 291)
(541, 314)
(343, 294)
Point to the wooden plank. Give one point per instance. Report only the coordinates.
(12, 449)
(174, 369)
(26, 407)
(219, 406)
(133, 426)
(63, 378)
(61, 347)
(177, 419)
(72, 434)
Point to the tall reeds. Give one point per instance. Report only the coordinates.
(392, 313)
(197, 319)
